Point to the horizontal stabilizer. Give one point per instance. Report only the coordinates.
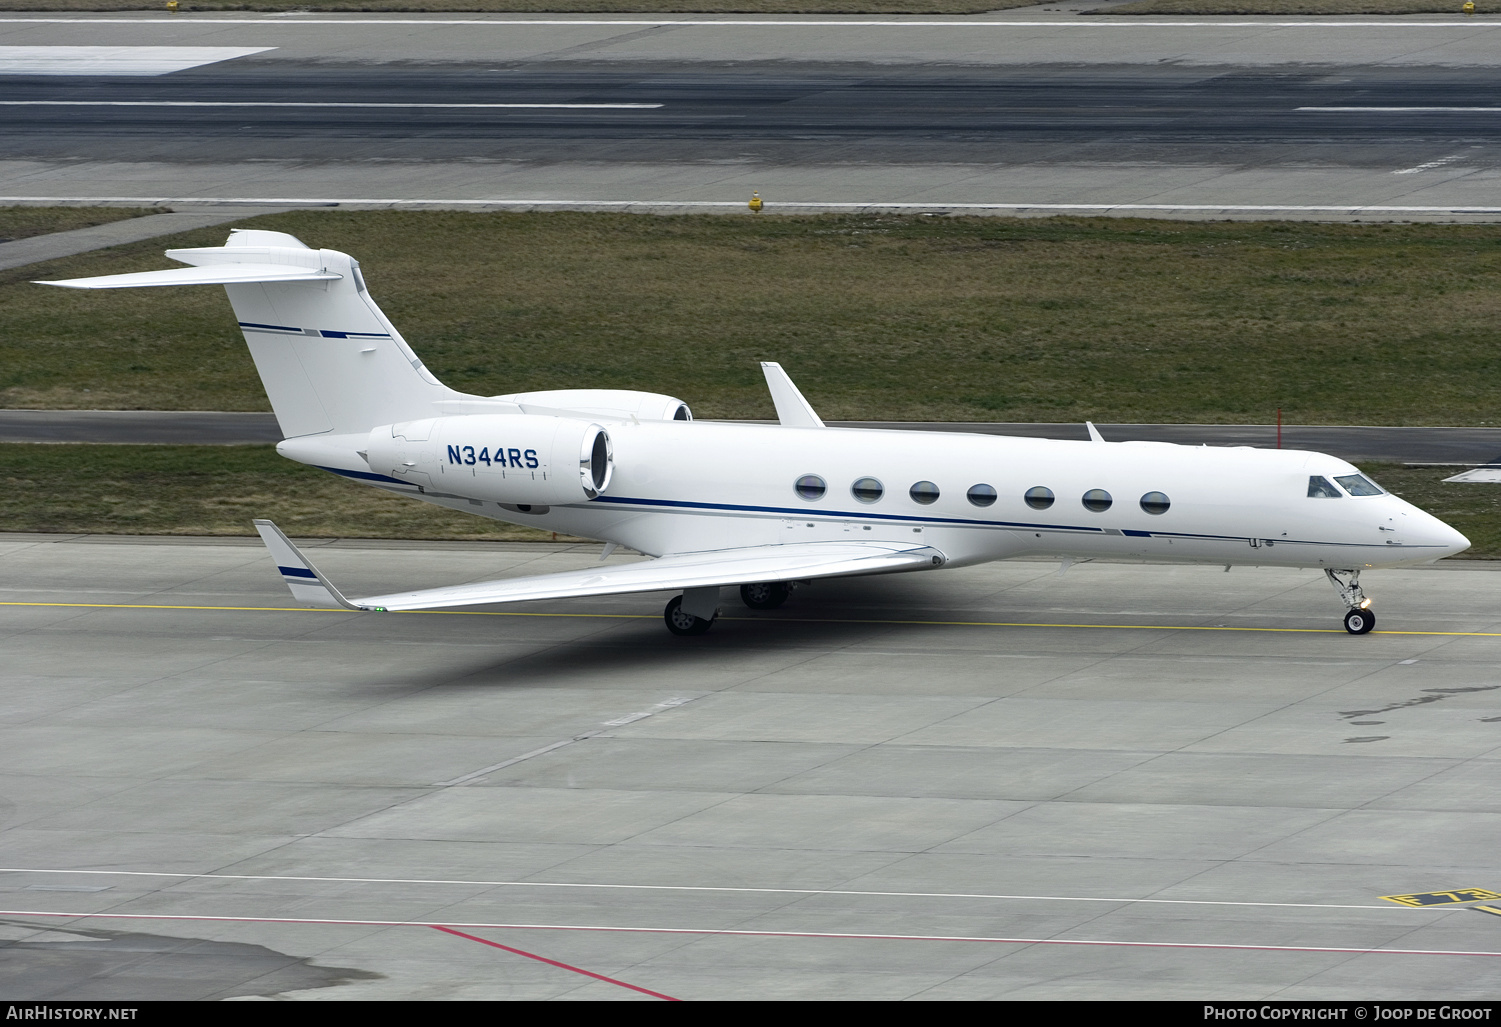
(214, 274)
(790, 562)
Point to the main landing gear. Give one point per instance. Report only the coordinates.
(681, 622)
(1359, 619)
(695, 611)
(765, 595)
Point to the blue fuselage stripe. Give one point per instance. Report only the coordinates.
(361, 475)
(862, 515)
(865, 515)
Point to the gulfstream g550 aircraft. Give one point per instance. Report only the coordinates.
(759, 506)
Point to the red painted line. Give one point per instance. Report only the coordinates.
(554, 962)
(710, 931)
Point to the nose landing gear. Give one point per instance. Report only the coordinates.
(1359, 619)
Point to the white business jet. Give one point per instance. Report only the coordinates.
(759, 506)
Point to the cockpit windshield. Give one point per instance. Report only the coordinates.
(1319, 488)
(1359, 485)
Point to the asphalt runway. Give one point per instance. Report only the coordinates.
(1383, 117)
(1438, 445)
(1031, 111)
(1121, 782)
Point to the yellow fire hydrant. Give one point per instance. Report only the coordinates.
(755, 203)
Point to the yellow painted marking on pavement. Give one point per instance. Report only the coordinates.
(1492, 910)
(762, 620)
(1443, 898)
(317, 609)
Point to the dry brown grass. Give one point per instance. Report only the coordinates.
(877, 317)
(211, 490)
(25, 222)
(1299, 7)
(540, 6)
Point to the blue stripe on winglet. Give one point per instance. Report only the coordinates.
(297, 572)
(274, 328)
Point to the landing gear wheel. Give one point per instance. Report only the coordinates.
(765, 595)
(1359, 622)
(681, 622)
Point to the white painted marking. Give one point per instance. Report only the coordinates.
(1478, 475)
(629, 718)
(843, 935)
(1242, 208)
(968, 896)
(1092, 23)
(1398, 110)
(115, 60)
(309, 103)
(492, 768)
(1428, 165)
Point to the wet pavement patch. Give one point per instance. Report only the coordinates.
(121, 966)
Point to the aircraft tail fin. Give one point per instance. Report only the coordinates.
(329, 359)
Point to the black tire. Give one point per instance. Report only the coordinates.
(765, 595)
(1360, 622)
(680, 622)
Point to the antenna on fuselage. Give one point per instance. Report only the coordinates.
(1094, 433)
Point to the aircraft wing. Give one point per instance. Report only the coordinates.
(792, 562)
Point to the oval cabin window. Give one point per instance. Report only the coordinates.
(811, 486)
(924, 492)
(867, 490)
(1039, 498)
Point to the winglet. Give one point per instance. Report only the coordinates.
(792, 409)
(1094, 433)
(307, 585)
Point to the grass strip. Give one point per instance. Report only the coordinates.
(540, 6)
(218, 490)
(1299, 7)
(25, 222)
(212, 490)
(884, 317)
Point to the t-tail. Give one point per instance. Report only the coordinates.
(331, 362)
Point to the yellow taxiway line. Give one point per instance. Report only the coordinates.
(810, 620)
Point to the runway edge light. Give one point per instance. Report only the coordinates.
(755, 203)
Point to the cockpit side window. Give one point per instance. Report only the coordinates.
(1359, 485)
(1319, 488)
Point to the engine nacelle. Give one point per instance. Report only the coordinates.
(516, 459)
(616, 404)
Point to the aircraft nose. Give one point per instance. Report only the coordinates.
(1442, 537)
(1432, 534)
(1452, 541)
